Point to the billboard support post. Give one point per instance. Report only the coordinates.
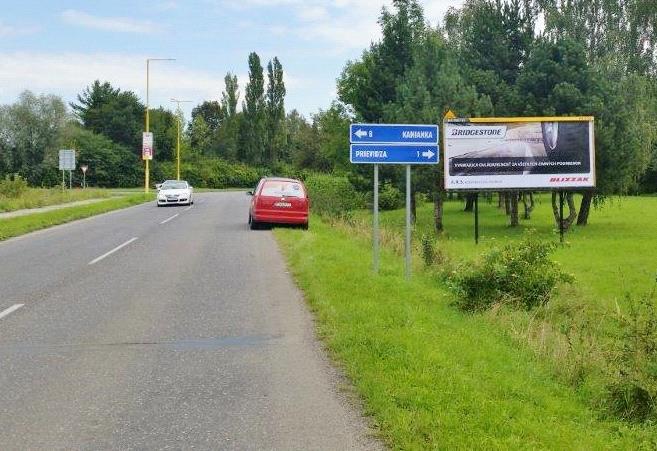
(408, 221)
(476, 215)
(375, 221)
(561, 196)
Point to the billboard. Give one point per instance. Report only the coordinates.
(519, 153)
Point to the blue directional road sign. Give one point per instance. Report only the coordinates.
(394, 144)
(393, 134)
(394, 153)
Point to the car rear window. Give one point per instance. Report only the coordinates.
(280, 189)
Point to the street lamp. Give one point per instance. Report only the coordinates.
(147, 160)
(178, 102)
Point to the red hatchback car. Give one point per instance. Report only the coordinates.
(279, 201)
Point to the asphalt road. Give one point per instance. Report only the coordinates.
(191, 335)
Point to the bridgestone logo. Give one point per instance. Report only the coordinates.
(410, 134)
(478, 132)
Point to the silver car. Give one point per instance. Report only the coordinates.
(175, 192)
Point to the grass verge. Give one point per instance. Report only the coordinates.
(433, 377)
(12, 227)
(41, 197)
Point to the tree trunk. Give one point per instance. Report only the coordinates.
(585, 209)
(513, 200)
(528, 205)
(469, 202)
(438, 211)
(438, 202)
(572, 210)
(507, 203)
(500, 199)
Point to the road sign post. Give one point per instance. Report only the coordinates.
(84, 168)
(405, 144)
(375, 221)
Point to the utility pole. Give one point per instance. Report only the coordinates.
(147, 172)
(178, 102)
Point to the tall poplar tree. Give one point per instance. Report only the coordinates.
(252, 129)
(275, 111)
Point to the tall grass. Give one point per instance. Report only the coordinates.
(40, 197)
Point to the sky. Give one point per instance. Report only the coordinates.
(60, 47)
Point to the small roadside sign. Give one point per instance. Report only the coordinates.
(394, 153)
(147, 146)
(393, 144)
(67, 160)
(394, 134)
(84, 168)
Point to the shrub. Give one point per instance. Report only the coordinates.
(390, 198)
(332, 196)
(520, 274)
(633, 392)
(13, 187)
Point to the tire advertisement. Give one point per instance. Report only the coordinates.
(518, 153)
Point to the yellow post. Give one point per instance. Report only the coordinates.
(178, 151)
(147, 171)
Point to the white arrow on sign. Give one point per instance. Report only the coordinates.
(429, 154)
(360, 133)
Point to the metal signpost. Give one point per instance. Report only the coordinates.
(67, 163)
(405, 144)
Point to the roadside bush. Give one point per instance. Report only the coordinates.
(633, 393)
(333, 196)
(519, 274)
(390, 198)
(13, 187)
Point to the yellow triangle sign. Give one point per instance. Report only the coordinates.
(450, 115)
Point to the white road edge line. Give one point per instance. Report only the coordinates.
(11, 309)
(107, 254)
(172, 217)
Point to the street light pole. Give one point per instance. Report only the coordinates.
(178, 102)
(147, 172)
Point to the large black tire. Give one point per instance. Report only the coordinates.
(252, 224)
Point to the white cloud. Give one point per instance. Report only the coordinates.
(8, 31)
(67, 74)
(342, 25)
(115, 24)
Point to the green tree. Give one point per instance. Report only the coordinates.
(275, 109)
(117, 114)
(110, 164)
(163, 125)
(253, 127)
(369, 84)
(230, 96)
(29, 136)
(200, 135)
(210, 111)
